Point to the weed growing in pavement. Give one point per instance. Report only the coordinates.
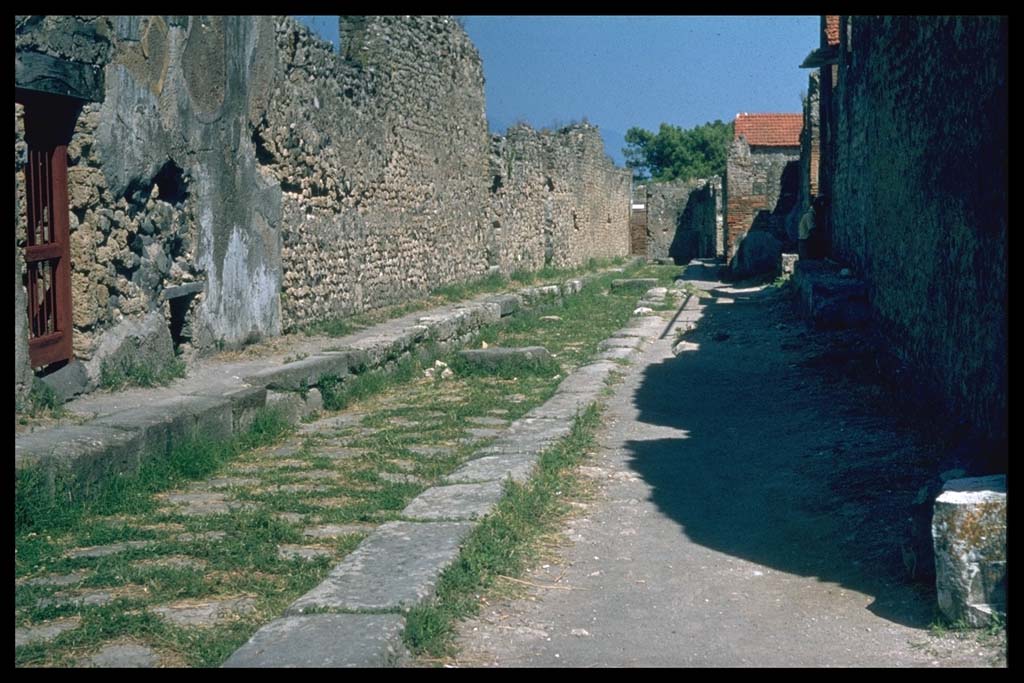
(504, 542)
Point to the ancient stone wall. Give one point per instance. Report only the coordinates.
(241, 178)
(810, 142)
(165, 197)
(555, 199)
(665, 205)
(920, 198)
(684, 219)
(381, 154)
(753, 184)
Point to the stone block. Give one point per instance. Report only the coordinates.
(787, 263)
(70, 381)
(830, 300)
(969, 533)
(455, 501)
(624, 354)
(313, 403)
(245, 402)
(587, 379)
(44, 633)
(395, 567)
(324, 641)
(165, 423)
(573, 286)
(145, 342)
(620, 342)
(497, 467)
(638, 283)
(303, 373)
(495, 357)
(187, 289)
(532, 295)
(758, 253)
(124, 656)
(508, 303)
(78, 455)
(289, 403)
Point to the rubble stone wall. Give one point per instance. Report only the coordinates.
(684, 219)
(556, 199)
(920, 199)
(243, 178)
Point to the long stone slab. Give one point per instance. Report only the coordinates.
(497, 356)
(324, 641)
(169, 422)
(394, 568)
(455, 501)
(621, 342)
(644, 283)
(78, 457)
(626, 354)
(308, 371)
(587, 379)
(498, 467)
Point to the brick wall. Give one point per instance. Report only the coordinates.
(753, 181)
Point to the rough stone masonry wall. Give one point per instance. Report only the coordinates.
(242, 169)
(753, 179)
(684, 219)
(555, 199)
(164, 189)
(381, 153)
(920, 203)
(810, 142)
(666, 203)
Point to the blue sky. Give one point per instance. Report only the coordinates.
(621, 72)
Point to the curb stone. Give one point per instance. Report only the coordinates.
(398, 565)
(124, 429)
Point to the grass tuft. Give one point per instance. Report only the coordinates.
(130, 372)
(45, 499)
(503, 542)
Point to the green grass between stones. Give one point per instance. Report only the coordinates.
(452, 293)
(503, 543)
(132, 373)
(44, 500)
(410, 424)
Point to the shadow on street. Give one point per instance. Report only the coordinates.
(777, 466)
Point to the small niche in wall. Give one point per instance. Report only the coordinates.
(171, 183)
(180, 300)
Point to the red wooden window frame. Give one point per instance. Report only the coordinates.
(48, 124)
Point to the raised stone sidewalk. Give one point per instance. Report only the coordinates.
(109, 434)
(355, 616)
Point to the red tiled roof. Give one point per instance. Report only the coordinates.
(772, 130)
(832, 29)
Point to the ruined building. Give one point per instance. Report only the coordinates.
(680, 219)
(761, 183)
(912, 140)
(195, 183)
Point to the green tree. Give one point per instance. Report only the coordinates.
(673, 152)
